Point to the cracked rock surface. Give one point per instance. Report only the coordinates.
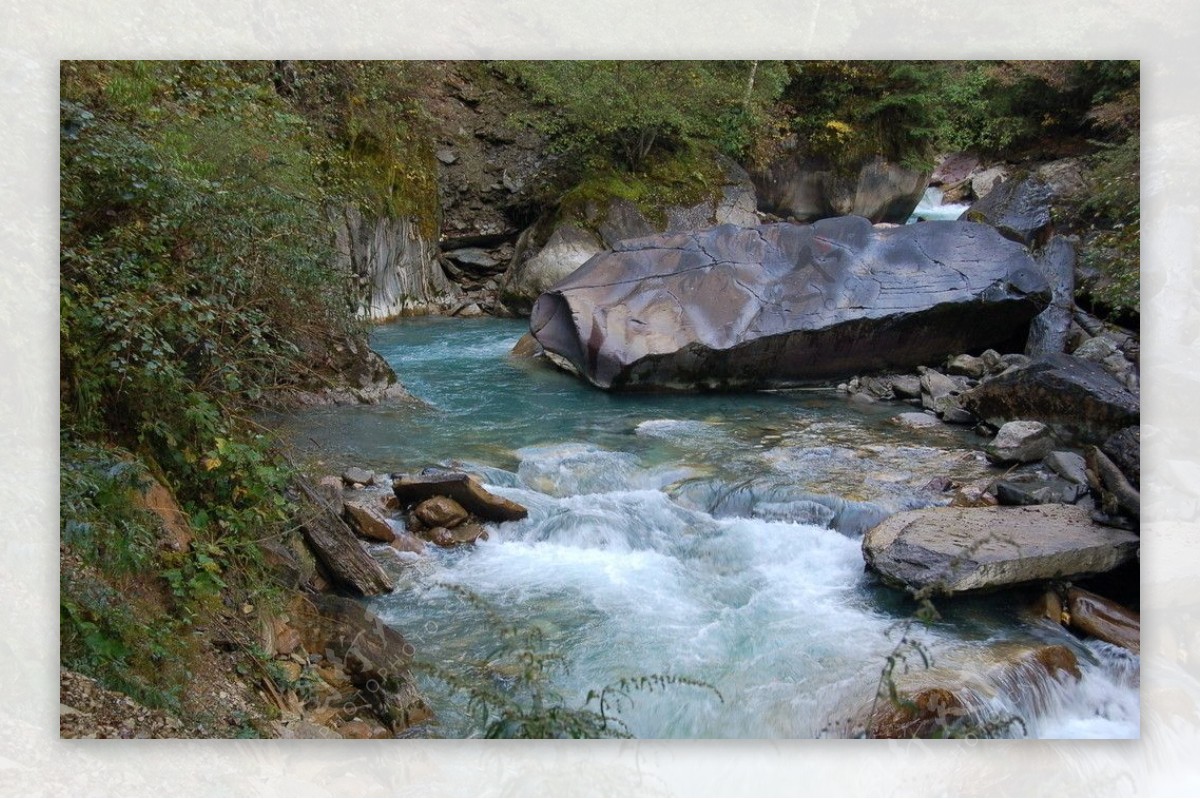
(784, 304)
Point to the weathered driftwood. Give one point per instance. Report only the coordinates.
(339, 551)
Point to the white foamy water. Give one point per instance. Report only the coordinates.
(714, 537)
(932, 209)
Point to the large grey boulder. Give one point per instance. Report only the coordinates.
(781, 305)
(568, 248)
(1077, 398)
(957, 550)
(542, 259)
(1020, 209)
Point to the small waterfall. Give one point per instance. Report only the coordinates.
(932, 209)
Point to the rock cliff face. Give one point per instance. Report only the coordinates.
(782, 304)
(394, 270)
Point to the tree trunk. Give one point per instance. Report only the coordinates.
(339, 550)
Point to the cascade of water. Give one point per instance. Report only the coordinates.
(711, 536)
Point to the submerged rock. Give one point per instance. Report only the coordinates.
(953, 700)
(957, 550)
(782, 305)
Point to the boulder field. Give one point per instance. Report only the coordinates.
(782, 305)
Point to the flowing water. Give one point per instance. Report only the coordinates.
(932, 207)
(714, 536)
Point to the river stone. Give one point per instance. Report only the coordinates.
(1068, 465)
(783, 305)
(917, 420)
(944, 697)
(958, 550)
(1081, 401)
(369, 523)
(356, 475)
(1020, 210)
(441, 512)
(473, 256)
(464, 490)
(1034, 490)
(1124, 448)
(1101, 618)
(1020, 442)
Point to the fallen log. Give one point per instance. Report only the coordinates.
(338, 550)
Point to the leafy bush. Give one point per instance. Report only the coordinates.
(625, 111)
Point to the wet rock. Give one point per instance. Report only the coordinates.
(1081, 401)
(1101, 618)
(438, 536)
(1020, 442)
(917, 420)
(1034, 490)
(463, 489)
(440, 512)
(782, 305)
(906, 386)
(953, 699)
(1114, 490)
(1049, 330)
(526, 347)
(1049, 606)
(356, 475)
(956, 415)
(1020, 210)
(469, 533)
(406, 542)
(957, 550)
(1124, 448)
(369, 523)
(936, 387)
(1068, 465)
